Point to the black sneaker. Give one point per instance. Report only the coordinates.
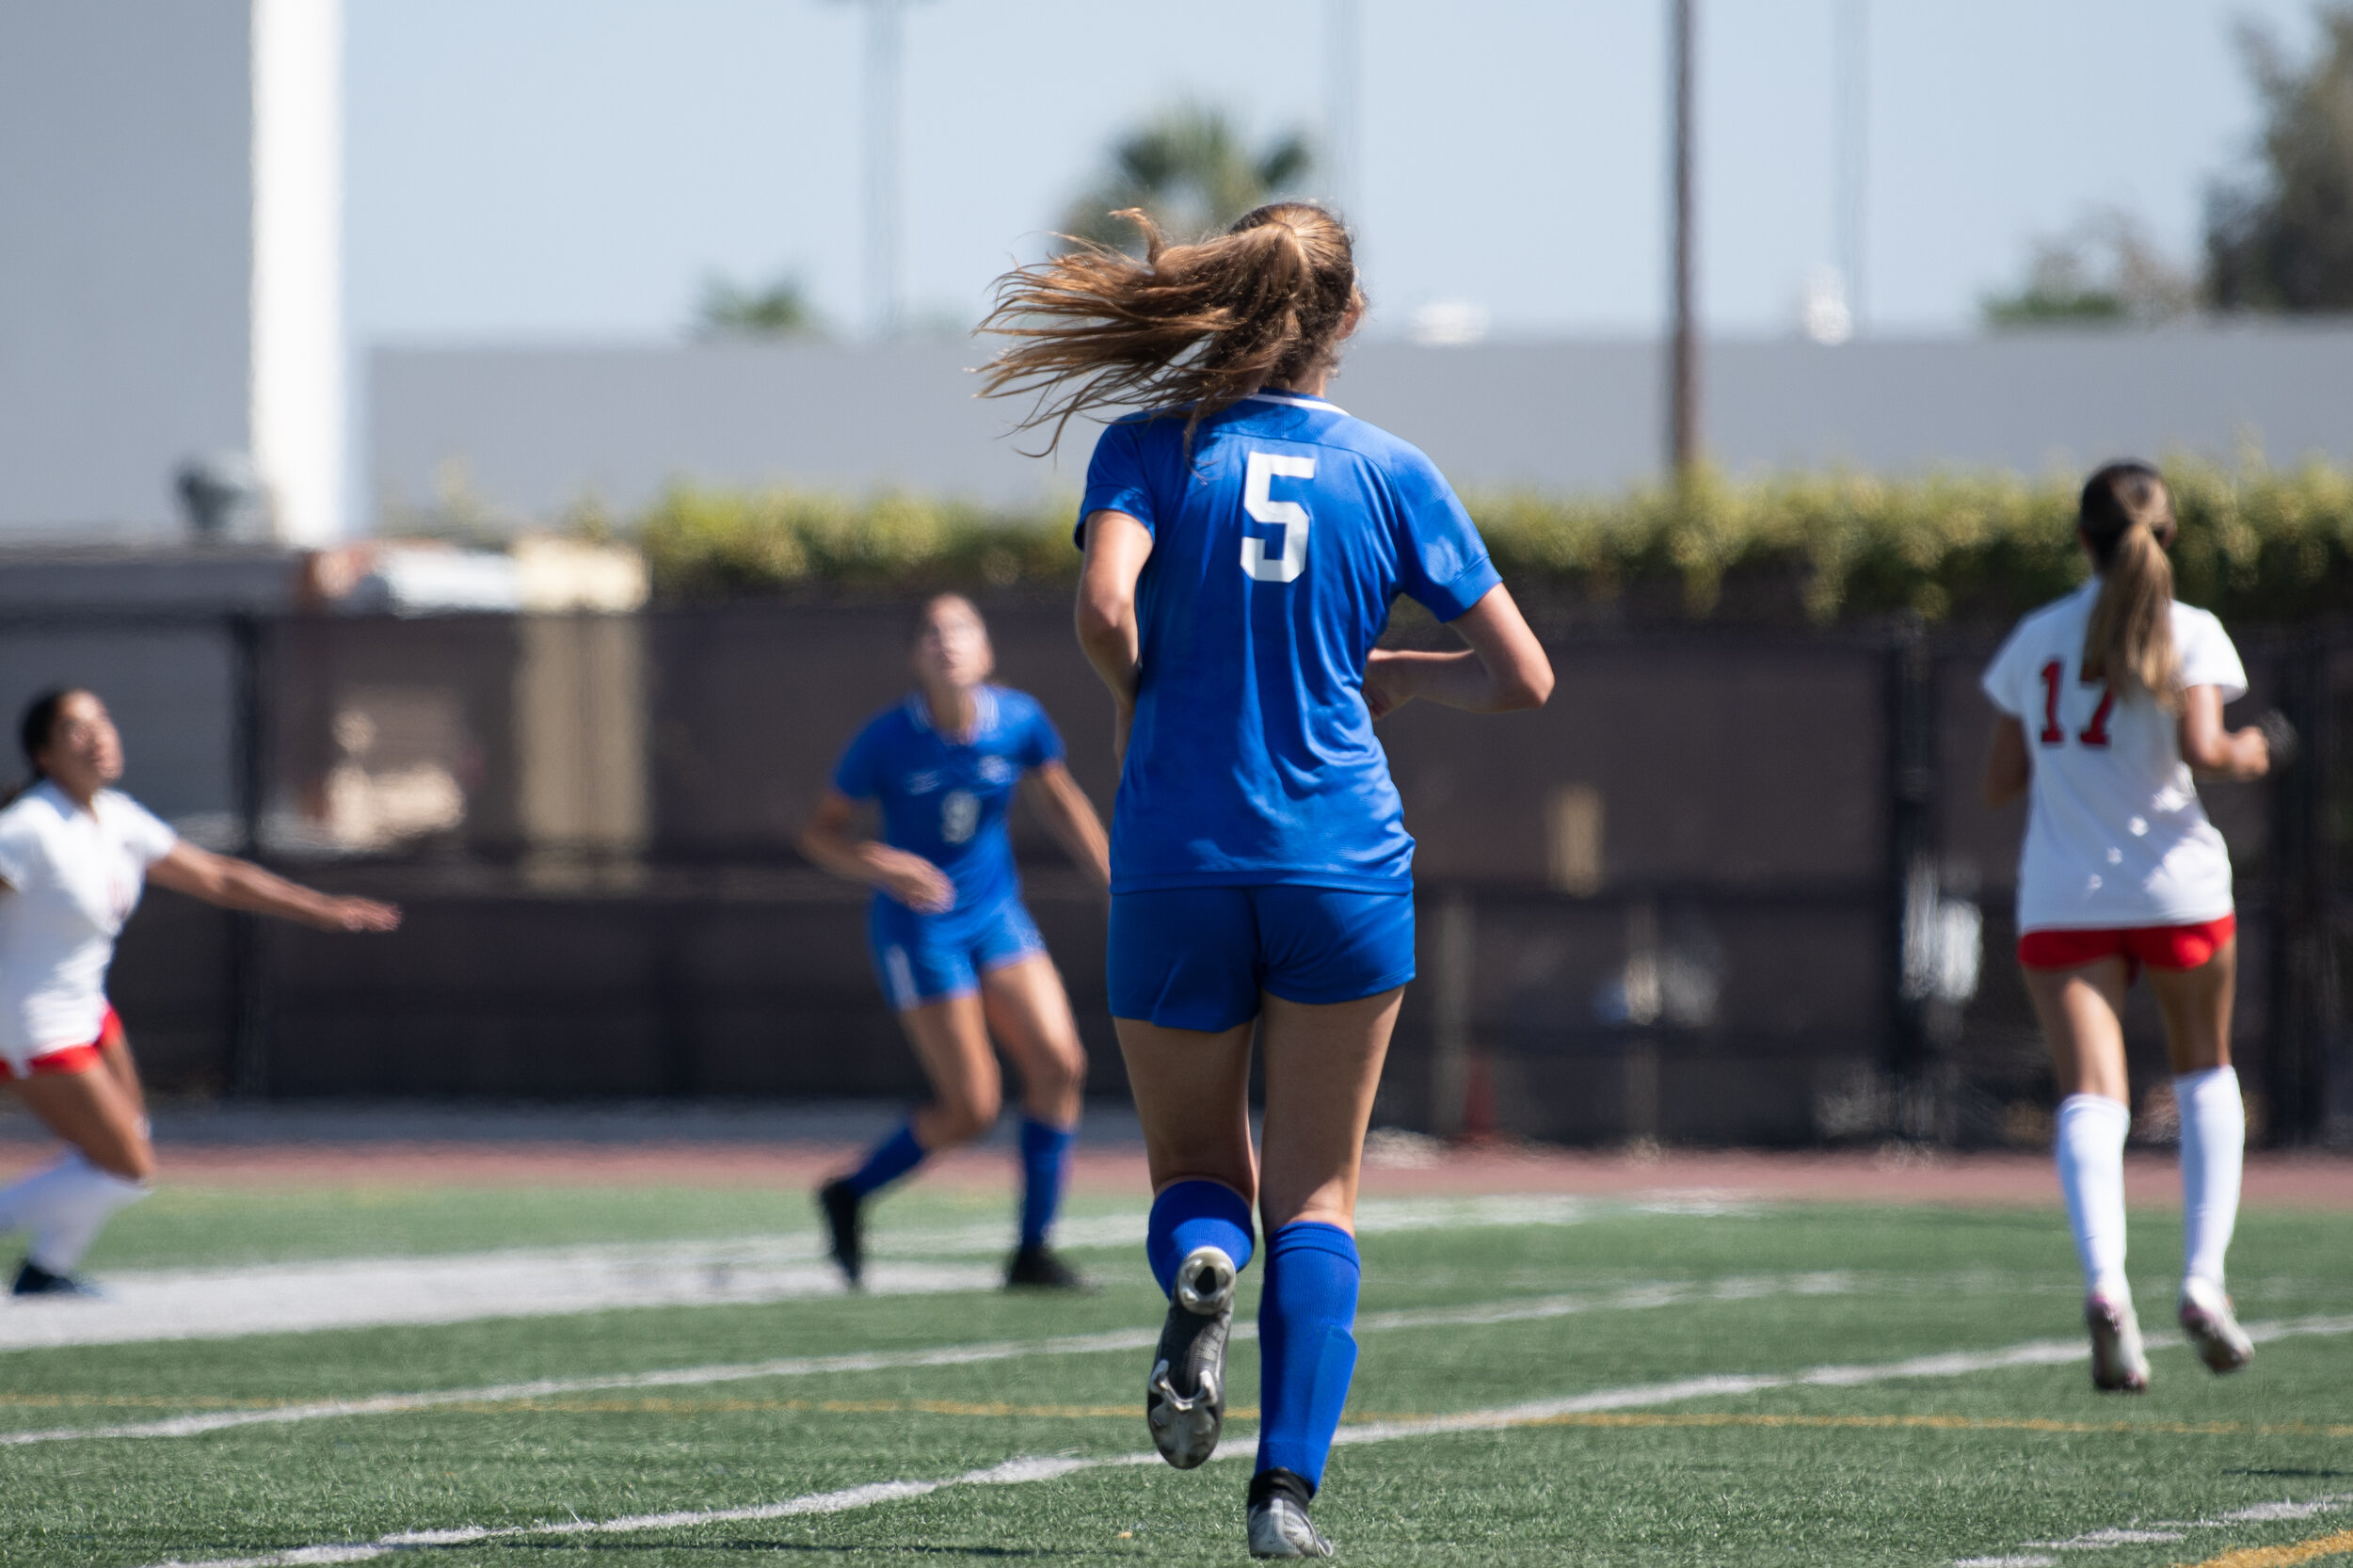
(34, 1280)
(1038, 1269)
(843, 1228)
(1279, 1525)
(1184, 1400)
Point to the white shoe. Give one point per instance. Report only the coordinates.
(2119, 1365)
(1184, 1399)
(1279, 1525)
(2214, 1333)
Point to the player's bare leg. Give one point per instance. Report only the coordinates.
(1322, 1066)
(108, 1164)
(951, 1041)
(1029, 1013)
(2081, 1010)
(2196, 1007)
(1192, 1091)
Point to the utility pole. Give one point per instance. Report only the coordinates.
(1683, 367)
(1853, 72)
(1343, 103)
(884, 117)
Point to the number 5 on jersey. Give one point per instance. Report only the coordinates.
(2054, 734)
(1290, 516)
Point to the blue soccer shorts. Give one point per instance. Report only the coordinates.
(1198, 957)
(926, 958)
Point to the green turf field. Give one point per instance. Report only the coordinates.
(1563, 1350)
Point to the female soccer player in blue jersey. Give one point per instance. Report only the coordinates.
(956, 952)
(1244, 539)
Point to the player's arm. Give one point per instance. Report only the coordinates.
(1070, 817)
(827, 840)
(1502, 670)
(2213, 752)
(2008, 771)
(234, 884)
(1117, 547)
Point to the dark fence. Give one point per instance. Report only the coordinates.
(1728, 887)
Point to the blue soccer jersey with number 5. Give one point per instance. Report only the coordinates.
(1279, 541)
(946, 799)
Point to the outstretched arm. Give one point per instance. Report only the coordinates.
(1117, 547)
(1503, 669)
(909, 878)
(234, 883)
(2008, 771)
(1070, 817)
(2213, 751)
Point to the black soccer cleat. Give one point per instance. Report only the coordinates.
(846, 1229)
(1279, 1525)
(1184, 1399)
(1039, 1269)
(34, 1280)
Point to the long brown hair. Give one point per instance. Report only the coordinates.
(2129, 642)
(1204, 324)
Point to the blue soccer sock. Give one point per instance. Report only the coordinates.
(890, 1159)
(1190, 1214)
(1045, 1166)
(1305, 1351)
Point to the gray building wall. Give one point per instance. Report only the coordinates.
(530, 431)
(125, 256)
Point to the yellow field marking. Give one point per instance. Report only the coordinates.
(2281, 1557)
(671, 1406)
(1942, 1423)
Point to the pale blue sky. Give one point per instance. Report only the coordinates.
(535, 169)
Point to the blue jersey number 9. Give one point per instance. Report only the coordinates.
(1290, 516)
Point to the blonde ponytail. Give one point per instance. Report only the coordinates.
(2129, 642)
(1202, 325)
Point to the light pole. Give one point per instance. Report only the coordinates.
(1855, 153)
(884, 67)
(1343, 95)
(1683, 367)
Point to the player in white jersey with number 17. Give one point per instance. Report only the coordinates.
(2111, 703)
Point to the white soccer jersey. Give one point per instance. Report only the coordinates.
(2115, 835)
(73, 878)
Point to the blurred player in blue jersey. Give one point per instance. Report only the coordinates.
(1244, 539)
(956, 952)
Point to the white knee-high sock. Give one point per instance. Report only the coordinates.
(2091, 1130)
(2214, 1146)
(25, 1199)
(64, 1204)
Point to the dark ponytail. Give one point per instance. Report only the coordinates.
(2129, 642)
(35, 731)
(1205, 325)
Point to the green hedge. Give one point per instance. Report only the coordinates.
(2256, 545)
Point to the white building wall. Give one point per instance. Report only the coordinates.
(125, 256)
(530, 431)
(170, 233)
(297, 392)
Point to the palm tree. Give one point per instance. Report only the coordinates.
(1189, 168)
(782, 308)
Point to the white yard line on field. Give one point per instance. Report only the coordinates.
(219, 1303)
(374, 1292)
(1525, 1309)
(1015, 1472)
(2157, 1532)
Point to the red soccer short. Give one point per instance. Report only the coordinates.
(2160, 946)
(68, 1059)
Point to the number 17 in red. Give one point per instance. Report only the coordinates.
(2054, 733)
